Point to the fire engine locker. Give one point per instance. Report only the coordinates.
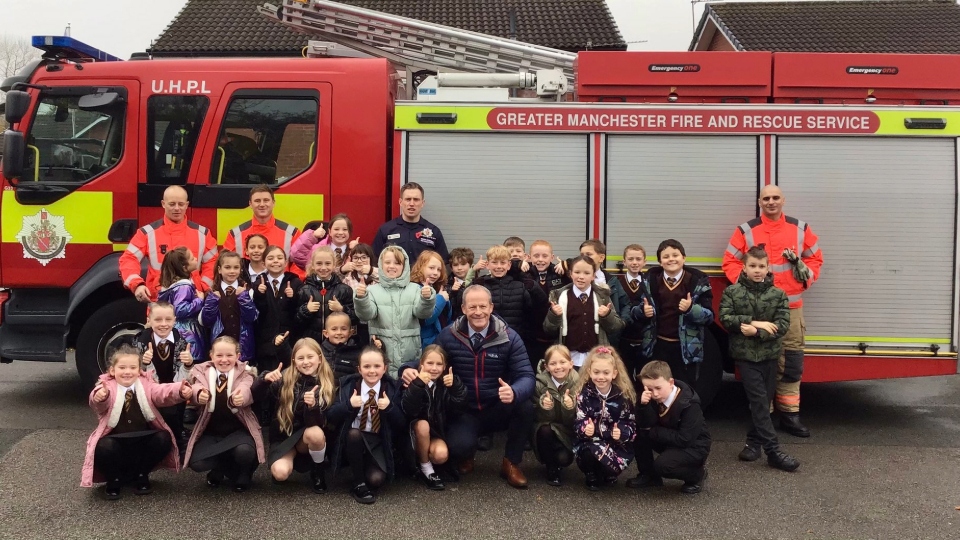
(885, 212)
(694, 189)
(483, 187)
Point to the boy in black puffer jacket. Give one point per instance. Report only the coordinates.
(514, 292)
(340, 348)
(757, 316)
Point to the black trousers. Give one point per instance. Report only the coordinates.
(680, 463)
(536, 349)
(516, 418)
(670, 352)
(552, 452)
(633, 359)
(173, 416)
(760, 384)
(124, 458)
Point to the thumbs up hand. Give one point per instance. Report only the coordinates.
(448, 378)
(289, 290)
(101, 394)
(203, 397)
(362, 287)
(558, 265)
(505, 393)
(481, 264)
(147, 354)
(355, 400)
(185, 390)
(568, 400)
(556, 309)
(281, 338)
(347, 267)
(335, 305)
(647, 309)
(186, 357)
(686, 303)
(313, 306)
(319, 233)
(353, 243)
(310, 397)
(424, 376)
(603, 311)
(615, 434)
(236, 399)
(546, 402)
(425, 291)
(275, 375)
(383, 402)
(589, 429)
(262, 287)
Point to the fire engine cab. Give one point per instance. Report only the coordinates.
(653, 146)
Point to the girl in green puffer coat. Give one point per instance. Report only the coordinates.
(556, 406)
(394, 307)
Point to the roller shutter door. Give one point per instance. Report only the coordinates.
(695, 189)
(483, 187)
(885, 212)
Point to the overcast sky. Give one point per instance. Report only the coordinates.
(121, 27)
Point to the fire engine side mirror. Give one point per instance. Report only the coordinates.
(99, 100)
(13, 148)
(18, 102)
(122, 230)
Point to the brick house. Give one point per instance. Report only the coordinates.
(874, 26)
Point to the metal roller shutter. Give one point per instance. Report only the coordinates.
(695, 189)
(885, 212)
(483, 187)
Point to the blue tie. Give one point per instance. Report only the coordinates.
(476, 339)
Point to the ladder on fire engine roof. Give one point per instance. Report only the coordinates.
(416, 45)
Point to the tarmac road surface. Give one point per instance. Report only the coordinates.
(883, 462)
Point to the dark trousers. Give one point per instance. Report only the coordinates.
(516, 418)
(670, 352)
(760, 384)
(173, 416)
(124, 458)
(680, 463)
(633, 359)
(588, 463)
(536, 349)
(552, 452)
(238, 463)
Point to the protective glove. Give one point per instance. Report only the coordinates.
(800, 270)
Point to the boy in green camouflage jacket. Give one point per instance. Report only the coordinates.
(757, 316)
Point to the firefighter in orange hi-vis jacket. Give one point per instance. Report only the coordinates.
(153, 241)
(795, 261)
(277, 233)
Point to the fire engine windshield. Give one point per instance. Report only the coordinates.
(68, 144)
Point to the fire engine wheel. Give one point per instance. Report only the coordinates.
(711, 370)
(119, 321)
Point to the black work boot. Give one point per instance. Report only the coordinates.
(790, 423)
(781, 460)
(750, 452)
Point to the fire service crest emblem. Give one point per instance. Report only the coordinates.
(44, 237)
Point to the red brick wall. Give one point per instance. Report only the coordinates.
(294, 155)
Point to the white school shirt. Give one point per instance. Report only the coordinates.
(673, 396)
(580, 357)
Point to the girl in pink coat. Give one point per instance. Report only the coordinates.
(341, 229)
(226, 440)
(131, 439)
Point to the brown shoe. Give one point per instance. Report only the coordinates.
(513, 474)
(466, 466)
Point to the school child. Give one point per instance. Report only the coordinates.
(556, 411)
(340, 348)
(228, 310)
(322, 294)
(671, 423)
(605, 424)
(131, 438)
(513, 291)
(543, 269)
(226, 440)
(394, 308)
(429, 270)
(756, 316)
(165, 357)
(596, 250)
(435, 395)
(298, 398)
(178, 290)
(461, 275)
(359, 266)
(369, 414)
(275, 296)
(631, 283)
(517, 248)
(341, 230)
(253, 264)
(674, 312)
(581, 314)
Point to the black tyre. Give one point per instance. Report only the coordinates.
(711, 370)
(118, 321)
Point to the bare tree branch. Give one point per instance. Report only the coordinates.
(15, 52)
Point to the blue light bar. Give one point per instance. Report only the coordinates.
(67, 47)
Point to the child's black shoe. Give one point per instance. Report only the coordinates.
(644, 481)
(432, 481)
(554, 476)
(214, 478)
(592, 482)
(362, 494)
(783, 461)
(318, 478)
(750, 452)
(112, 490)
(692, 488)
(141, 486)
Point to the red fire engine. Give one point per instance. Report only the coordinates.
(655, 145)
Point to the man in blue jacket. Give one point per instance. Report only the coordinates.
(492, 362)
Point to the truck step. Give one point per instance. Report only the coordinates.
(39, 344)
(30, 307)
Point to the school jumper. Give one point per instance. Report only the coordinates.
(276, 315)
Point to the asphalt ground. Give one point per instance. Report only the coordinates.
(883, 462)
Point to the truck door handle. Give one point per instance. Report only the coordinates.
(122, 230)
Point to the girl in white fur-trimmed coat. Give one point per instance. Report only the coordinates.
(226, 440)
(131, 439)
